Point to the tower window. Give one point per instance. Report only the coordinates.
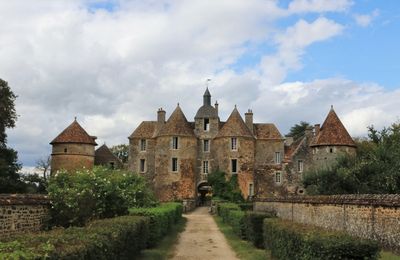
(175, 143)
(278, 158)
(206, 145)
(206, 124)
(205, 167)
(174, 164)
(331, 150)
(251, 189)
(234, 144)
(278, 177)
(65, 150)
(234, 166)
(142, 165)
(143, 144)
(300, 165)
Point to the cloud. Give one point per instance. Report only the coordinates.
(319, 6)
(365, 20)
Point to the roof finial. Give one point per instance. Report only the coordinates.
(207, 81)
(75, 118)
(178, 104)
(331, 107)
(235, 106)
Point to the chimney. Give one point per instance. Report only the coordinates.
(248, 118)
(289, 140)
(308, 131)
(316, 129)
(216, 106)
(160, 116)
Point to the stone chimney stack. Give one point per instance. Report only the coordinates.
(161, 116)
(316, 129)
(216, 106)
(308, 131)
(248, 118)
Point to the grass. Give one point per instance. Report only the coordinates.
(165, 248)
(244, 249)
(386, 255)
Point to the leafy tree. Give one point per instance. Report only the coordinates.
(121, 151)
(298, 130)
(10, 181)
(223, 188)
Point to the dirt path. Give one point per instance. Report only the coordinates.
(202, 239)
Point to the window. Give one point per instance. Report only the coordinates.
(234, 166)
(65, 150)
(205, 167)
(175, 142)
(174, 164)
(331, 150)
(277, 157)
(143, 144)
(300, 165)
(251, 189)
(206, 124)
(234, 144)
(206, 145)
(112, 165)
(142, 165)
(278, 177)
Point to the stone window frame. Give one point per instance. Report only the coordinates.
(206, 167)
(278, 157)
(206, 146)
(175, 143)
(278, 177)
(234, 143)
(143, 145)
(300, 165)
(206, 124)
(174, 164)
(144, 168)
(237, 166)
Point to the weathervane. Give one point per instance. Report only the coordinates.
(207, 81)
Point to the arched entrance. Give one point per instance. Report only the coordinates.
(204, 192)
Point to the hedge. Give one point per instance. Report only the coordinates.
(253, 226)
(224, 208)
(162, 218)
(236, 221)
(288, 240)
(114, 238)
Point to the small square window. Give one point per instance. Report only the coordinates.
(234, 167)
(175, 143)
(142, 165)
(278, 177)
(143, 144)
(205, 167)
(206, 145)
(174, 164)
(234, 144)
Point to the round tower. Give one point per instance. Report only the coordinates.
(72, 149)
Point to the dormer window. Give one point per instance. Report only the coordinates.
(206, 124)
(175, 143)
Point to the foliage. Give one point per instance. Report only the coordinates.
(34, 184)
(8, 115)
(99, 193)
(121, 151)
(289, 240)
(114, 238)
(162, 218)
(374, 169)
(224, 208)
(236, 221)
(253, 224)
(223, 188)
(298, 130)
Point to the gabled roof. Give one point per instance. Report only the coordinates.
(103, 155)
(292, 149)
(177, 124)
(333, 132)
(234, 126)
(74, 133)
(144, 130)
(267, 131)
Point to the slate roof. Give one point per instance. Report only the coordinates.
(74, 133)
(144, 130)
(333, 132)
(234, 126)
(177, 124)
(206, 111)
(103, 155)
(267, 131)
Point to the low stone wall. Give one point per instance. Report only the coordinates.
(368, 216)
(21, 213)
(188, 205)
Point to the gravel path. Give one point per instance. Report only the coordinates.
(202, 239)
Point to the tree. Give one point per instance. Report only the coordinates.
(121, 151)
(43, 165)
(298, 130)
(10, 181)
(223, 188)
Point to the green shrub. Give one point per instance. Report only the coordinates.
(236, 221)
(114, 238)
(253, 225)
(224, 208)
(288, 240)
(246, 206)
(85, 195)
(161, 219)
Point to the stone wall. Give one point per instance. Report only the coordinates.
(368, 216)
(20, 213)
(72, 157)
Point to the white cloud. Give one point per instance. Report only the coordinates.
(365, 20)
(297, 6)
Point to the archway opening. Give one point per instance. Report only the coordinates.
(204, 191)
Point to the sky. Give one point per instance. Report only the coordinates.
(113, 63)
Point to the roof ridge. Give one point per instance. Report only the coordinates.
(235, 126)
(74, 133)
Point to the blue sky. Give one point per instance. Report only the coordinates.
(114, 63)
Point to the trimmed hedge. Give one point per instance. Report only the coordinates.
(224, 208)
(114, 238)
(236, 221)
(253, 225)
(162, 218)
(288, 240)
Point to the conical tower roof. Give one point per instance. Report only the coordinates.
(74, 133)
(333, 132)
(177, 124)
(234, 126)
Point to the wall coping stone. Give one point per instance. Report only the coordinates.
(24, 199)
(387, 200)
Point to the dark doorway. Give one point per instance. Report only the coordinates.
(204, 192)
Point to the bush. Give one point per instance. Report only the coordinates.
(223, 188)
(253, 225)
(161, 219)
(236, 221)
(92, 194)
(224, 208)
(246, 206)
(114, 238)
(288, 240)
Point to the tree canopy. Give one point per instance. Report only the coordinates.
(298, 130)
(121, 151)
